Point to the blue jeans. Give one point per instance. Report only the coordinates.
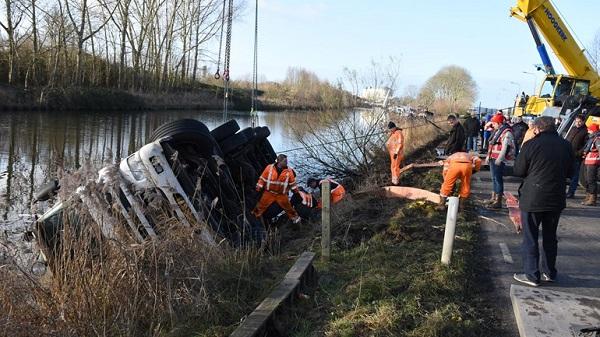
(574, 177)
(472, 143)
(497, 176)
(530, 246)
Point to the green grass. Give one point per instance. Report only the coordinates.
(391, 283)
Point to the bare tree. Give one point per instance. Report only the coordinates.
(14, 15)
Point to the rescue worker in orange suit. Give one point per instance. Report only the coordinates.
(276, 181)
(591, 164)
(337, 190)
(459, 166)
(395, 146)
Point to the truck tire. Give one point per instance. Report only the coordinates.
(262, 132)
(225, 130)
(233, 143)
(178, 127)
(249, 133)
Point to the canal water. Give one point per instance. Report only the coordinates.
(34, 146)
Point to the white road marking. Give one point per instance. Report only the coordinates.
(505, 253)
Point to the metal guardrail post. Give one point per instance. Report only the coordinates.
(325, 220)
(450, 229)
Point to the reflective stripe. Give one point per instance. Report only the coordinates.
(272, 168)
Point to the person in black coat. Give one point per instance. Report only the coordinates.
(456, 140)
(519, 129)
(577, 137)
(472, 132)
(544, 164)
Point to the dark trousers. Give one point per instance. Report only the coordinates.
(472, 143)
(530, 246)
(574, 177)
(591, 178)
(497, 176)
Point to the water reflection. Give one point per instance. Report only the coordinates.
(34, 146)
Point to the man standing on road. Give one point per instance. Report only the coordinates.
(544, 164)
(577, 137)
(395, 146)
(591, 152)
(456, 140)
(472, 130)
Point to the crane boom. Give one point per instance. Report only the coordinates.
(547, 19)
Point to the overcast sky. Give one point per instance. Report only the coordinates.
(326, 36)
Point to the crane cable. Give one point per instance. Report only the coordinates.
(253, 112)
(227, 59)
(217, 73)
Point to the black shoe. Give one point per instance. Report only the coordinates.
(546, 278)
(523, 278)
(570, 195)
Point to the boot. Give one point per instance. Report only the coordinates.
(591, 201)
(586, 199)
(497, 204)
(491, 200)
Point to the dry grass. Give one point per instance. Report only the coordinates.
(171, 286)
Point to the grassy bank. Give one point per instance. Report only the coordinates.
(385, 278)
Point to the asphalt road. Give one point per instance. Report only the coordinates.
(578, 261)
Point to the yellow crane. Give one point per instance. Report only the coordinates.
(581, 79)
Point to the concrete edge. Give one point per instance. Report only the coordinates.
(517, 311)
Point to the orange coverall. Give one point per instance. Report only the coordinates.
(459, 166)
(337, 194)
(276, 186)
(395, 146)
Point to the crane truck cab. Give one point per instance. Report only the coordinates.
(553, 92)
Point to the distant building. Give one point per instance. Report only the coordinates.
(377, 96)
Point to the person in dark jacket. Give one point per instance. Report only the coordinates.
(519, 129)
(456, 140)
(576, 136)
(472, 132)
(544, 164)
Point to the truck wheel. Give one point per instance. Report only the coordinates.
(225, 130)
(233, 143)
(262, 132)
(179, 127)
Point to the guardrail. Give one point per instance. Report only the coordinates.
(261, 322)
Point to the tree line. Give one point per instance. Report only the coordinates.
(127, 44)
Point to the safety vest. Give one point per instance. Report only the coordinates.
(277, 183)
(496, 148)
(307, 199)
(338, 193)
(395, 143)
(463, 157)
(593, 156)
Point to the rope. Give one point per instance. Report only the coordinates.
(217, 74)
(253, 112)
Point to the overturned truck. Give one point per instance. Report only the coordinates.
(205, 179)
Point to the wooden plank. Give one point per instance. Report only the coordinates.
(299, 268)
(326, 220)
(257, 320)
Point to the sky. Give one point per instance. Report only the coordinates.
(326, 36)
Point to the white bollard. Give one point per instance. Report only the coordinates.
(450, 229)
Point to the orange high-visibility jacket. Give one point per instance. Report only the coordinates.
(395, 143)
(496, 149)
(463, 157)
(277, 183)
(338, 193)
(592, 158)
